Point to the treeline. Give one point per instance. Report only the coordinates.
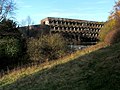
(16, 49)
(110, 33)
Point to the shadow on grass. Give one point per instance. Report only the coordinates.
(94, 71)
(9, 65)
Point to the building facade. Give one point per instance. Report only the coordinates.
(75, 31)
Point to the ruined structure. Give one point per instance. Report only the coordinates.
(75, 31)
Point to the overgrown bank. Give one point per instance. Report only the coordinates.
(67, 73)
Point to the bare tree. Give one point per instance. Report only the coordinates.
(23, 23)
(6, 7)
(29, 20)
(29, 24)
(115, 13)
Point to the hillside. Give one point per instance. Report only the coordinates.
(95, 68)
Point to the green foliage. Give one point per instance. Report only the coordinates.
(62, 74)
(47, 47)
(110, 33)
(98, 70)
(7, 24)
(9, 47)
(109, 26)
(12, 45)
(10, 39)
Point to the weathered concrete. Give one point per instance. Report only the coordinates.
(75, 31)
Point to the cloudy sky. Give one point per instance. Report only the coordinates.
(94, 10)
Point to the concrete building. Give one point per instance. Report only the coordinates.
(75, 31)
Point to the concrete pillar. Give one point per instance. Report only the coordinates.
(54, 28)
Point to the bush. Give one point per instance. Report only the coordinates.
(7, 25)
(10, 47)
(47, 47)
(113, 37)
(110, 33)
(11, 52)
(109, 26)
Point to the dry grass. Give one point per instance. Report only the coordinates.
(15, 75)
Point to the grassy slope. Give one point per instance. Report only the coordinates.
(90, 69)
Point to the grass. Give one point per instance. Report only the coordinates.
(95, 68)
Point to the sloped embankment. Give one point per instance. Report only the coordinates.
(90, 69)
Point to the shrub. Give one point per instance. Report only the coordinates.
(12, 52)
(109, 26)
(113, 37)
(110, 33)
(47, 47)
(9, 47)
(11, 42)
(12, 48)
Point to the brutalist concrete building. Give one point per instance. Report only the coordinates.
(75, 31)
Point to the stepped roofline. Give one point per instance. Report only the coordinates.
(67, 19)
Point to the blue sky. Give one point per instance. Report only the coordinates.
(94, 10)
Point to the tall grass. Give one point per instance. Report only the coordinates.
(21, 72)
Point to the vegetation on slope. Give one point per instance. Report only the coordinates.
(110, 33)
(95, 68)
(46, 48)
(98, 70)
